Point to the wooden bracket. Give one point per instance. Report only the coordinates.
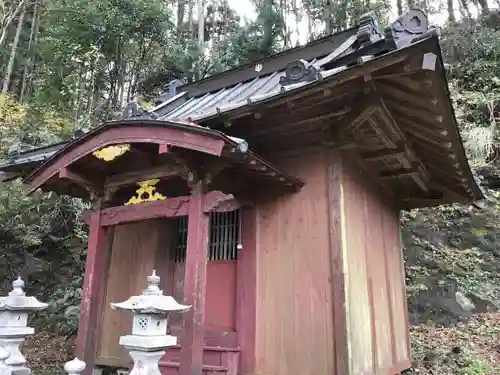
(217, 201)
(67, 174)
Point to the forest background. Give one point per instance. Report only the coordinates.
(72, 64)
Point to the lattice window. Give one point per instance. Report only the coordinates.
(223, 238)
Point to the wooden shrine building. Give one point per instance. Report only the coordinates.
(268, 198)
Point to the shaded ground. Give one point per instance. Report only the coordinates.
(467, 348)
(46, 353)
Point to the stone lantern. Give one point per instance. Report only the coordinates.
(14, 310)
(149, 338)
(4, 367)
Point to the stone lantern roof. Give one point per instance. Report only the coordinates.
(18, 301)
(152, 300)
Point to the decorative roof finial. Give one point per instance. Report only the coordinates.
(153, 285)
(17, 287)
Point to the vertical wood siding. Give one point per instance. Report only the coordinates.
(376, 310)
(294, 294)
(354, 251)
(137, 249)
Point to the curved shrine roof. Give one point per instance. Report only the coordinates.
(382, 98)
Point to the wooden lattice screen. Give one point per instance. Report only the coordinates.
(223, 240)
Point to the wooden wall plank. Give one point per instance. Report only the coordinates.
(133, 257)
(338, 322)
(398, 293)
(294, 307)
(246, 303)
(358, 309)
(379, 285)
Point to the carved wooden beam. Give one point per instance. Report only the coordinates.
(214, 201)
(161, 172)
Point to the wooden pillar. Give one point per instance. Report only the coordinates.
(195, 279)
(95, 269)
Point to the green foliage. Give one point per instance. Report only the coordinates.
(30, 125)
(473, 52)
(475, 367)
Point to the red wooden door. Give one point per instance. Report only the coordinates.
(220, 300)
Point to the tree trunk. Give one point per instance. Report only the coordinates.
(27, 66)
(451, 12)
(29, 85)
(327, 15)
(399, 5)
(201, 23)
(190, 18)
(225, 23)
(484, 7)
(13, 52)
(14, 14)
(297, 19)
(465, 9)
(181, 9)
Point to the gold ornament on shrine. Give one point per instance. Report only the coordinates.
(146, 193)
(110, 153)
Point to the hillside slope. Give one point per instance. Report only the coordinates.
(452, 260)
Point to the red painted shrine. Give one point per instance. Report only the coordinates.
(268, 199)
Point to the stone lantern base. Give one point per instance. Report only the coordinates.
(147, 343)
(12, 339)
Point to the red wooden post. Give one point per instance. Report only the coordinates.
(95, 268)
(195, 285)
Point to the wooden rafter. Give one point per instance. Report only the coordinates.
(377, 155)
(421, 177)
(413, 99)
(298, 123)
(348, 125)
(433, 120)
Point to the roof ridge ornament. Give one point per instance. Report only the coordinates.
(368, 28)
(408, 27)
(299, 71)
(133, 111)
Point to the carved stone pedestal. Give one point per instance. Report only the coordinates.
(12, 344)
